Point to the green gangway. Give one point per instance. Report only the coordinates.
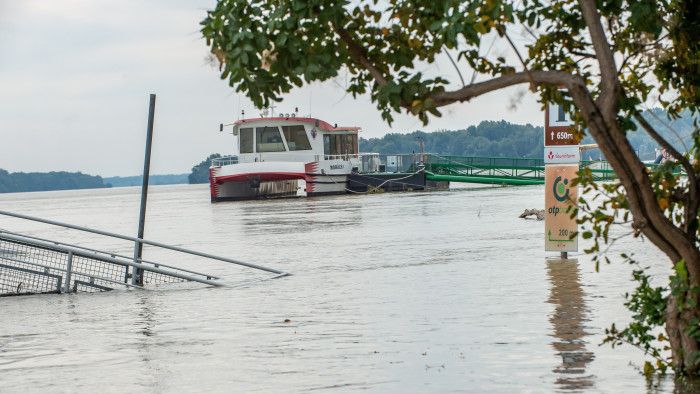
(499, 170)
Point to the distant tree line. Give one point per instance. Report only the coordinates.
(200, 172)
(168, 179)
(43, 181)
(489, 138)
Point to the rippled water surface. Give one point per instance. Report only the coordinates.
(408, 293)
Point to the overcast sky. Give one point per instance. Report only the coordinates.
(76, 75)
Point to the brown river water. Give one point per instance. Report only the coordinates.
(421, 292)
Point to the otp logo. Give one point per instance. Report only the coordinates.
(561, 191)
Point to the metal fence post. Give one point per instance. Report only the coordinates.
(69, 268)
(137, 276)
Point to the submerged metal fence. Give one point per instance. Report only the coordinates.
(30, 265)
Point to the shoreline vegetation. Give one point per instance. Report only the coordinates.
(19, 182)
(137, 180)
(489, 139)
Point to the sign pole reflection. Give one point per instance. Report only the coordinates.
(569, 325)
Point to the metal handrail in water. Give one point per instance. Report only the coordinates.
(30, 265)
(97, 253)
(77, 251)
(145, 241)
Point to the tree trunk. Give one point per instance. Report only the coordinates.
(682, 318)
(678, 243)
(682, 312)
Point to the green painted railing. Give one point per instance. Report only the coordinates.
(501, 170)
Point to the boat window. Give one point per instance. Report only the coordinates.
(351, 141)
(269, 139)
(340, 144)
(326, 144)
(296, 137)
(246, 140)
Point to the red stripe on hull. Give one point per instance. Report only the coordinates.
(310, 168)
(213, 187)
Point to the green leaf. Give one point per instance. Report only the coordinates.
(531, 18)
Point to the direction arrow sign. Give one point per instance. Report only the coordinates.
(558, 127)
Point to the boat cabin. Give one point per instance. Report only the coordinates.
(293, 138)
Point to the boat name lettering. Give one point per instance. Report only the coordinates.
(336, 166)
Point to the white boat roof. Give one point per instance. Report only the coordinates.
(316, 122)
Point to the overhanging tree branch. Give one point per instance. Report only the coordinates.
(454, 64)
(359, 55)
(664, 144)
(559, 78)
(692, 201)
(610, 85)
(533, 85)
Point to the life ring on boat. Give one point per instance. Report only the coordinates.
(666, 155)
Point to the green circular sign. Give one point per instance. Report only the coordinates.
(561, 189)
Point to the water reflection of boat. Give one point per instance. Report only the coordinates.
(288, 156)
(569, 324)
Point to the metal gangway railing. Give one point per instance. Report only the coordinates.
(506, 170)
(31, 265)
(490, 170)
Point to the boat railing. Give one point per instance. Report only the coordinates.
(345, 157)
(224, 161)
(274, 156)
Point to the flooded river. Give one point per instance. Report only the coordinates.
(438, 292)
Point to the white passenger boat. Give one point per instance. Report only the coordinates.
(288, 156)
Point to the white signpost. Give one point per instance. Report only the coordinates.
(561, 157)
